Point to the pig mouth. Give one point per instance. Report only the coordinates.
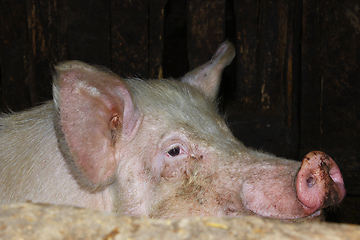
(316, 216)
(233, 206)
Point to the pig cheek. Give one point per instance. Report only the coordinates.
(200, 193)
(137, 177)
(183, 199)
(176, 169)
(177, 192)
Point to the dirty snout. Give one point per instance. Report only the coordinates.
(292, 190)
(319, 182)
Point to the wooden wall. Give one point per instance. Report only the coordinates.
(293, 87)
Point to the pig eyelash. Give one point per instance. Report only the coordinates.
(175, 151)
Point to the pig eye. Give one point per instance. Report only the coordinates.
(174, 151)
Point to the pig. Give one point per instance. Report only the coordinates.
(155, 148)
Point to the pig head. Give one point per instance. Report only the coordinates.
(154, 148)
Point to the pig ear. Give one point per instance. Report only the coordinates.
(94, 111)
(207, 77)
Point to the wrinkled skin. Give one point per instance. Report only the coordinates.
(152, 148)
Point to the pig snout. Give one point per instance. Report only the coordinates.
(319, 182)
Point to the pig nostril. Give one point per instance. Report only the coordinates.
(319, 182)
(311, 181)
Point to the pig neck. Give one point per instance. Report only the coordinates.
(35, 167)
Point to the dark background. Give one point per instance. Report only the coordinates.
(294, 86)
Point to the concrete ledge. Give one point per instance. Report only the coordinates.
(41, 221)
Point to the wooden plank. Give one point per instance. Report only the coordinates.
(340, 61)
(47, 33)
(311, 76)
(273, 20)
(330, 108)
(156, 37)
(330, 105)
(130, 37)
(13, 37)
(88, 31)
(175, 63)
(330, 86)
(264, 40)
(292, 79)
(266, 75)
(206, 29)
(248, 88)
